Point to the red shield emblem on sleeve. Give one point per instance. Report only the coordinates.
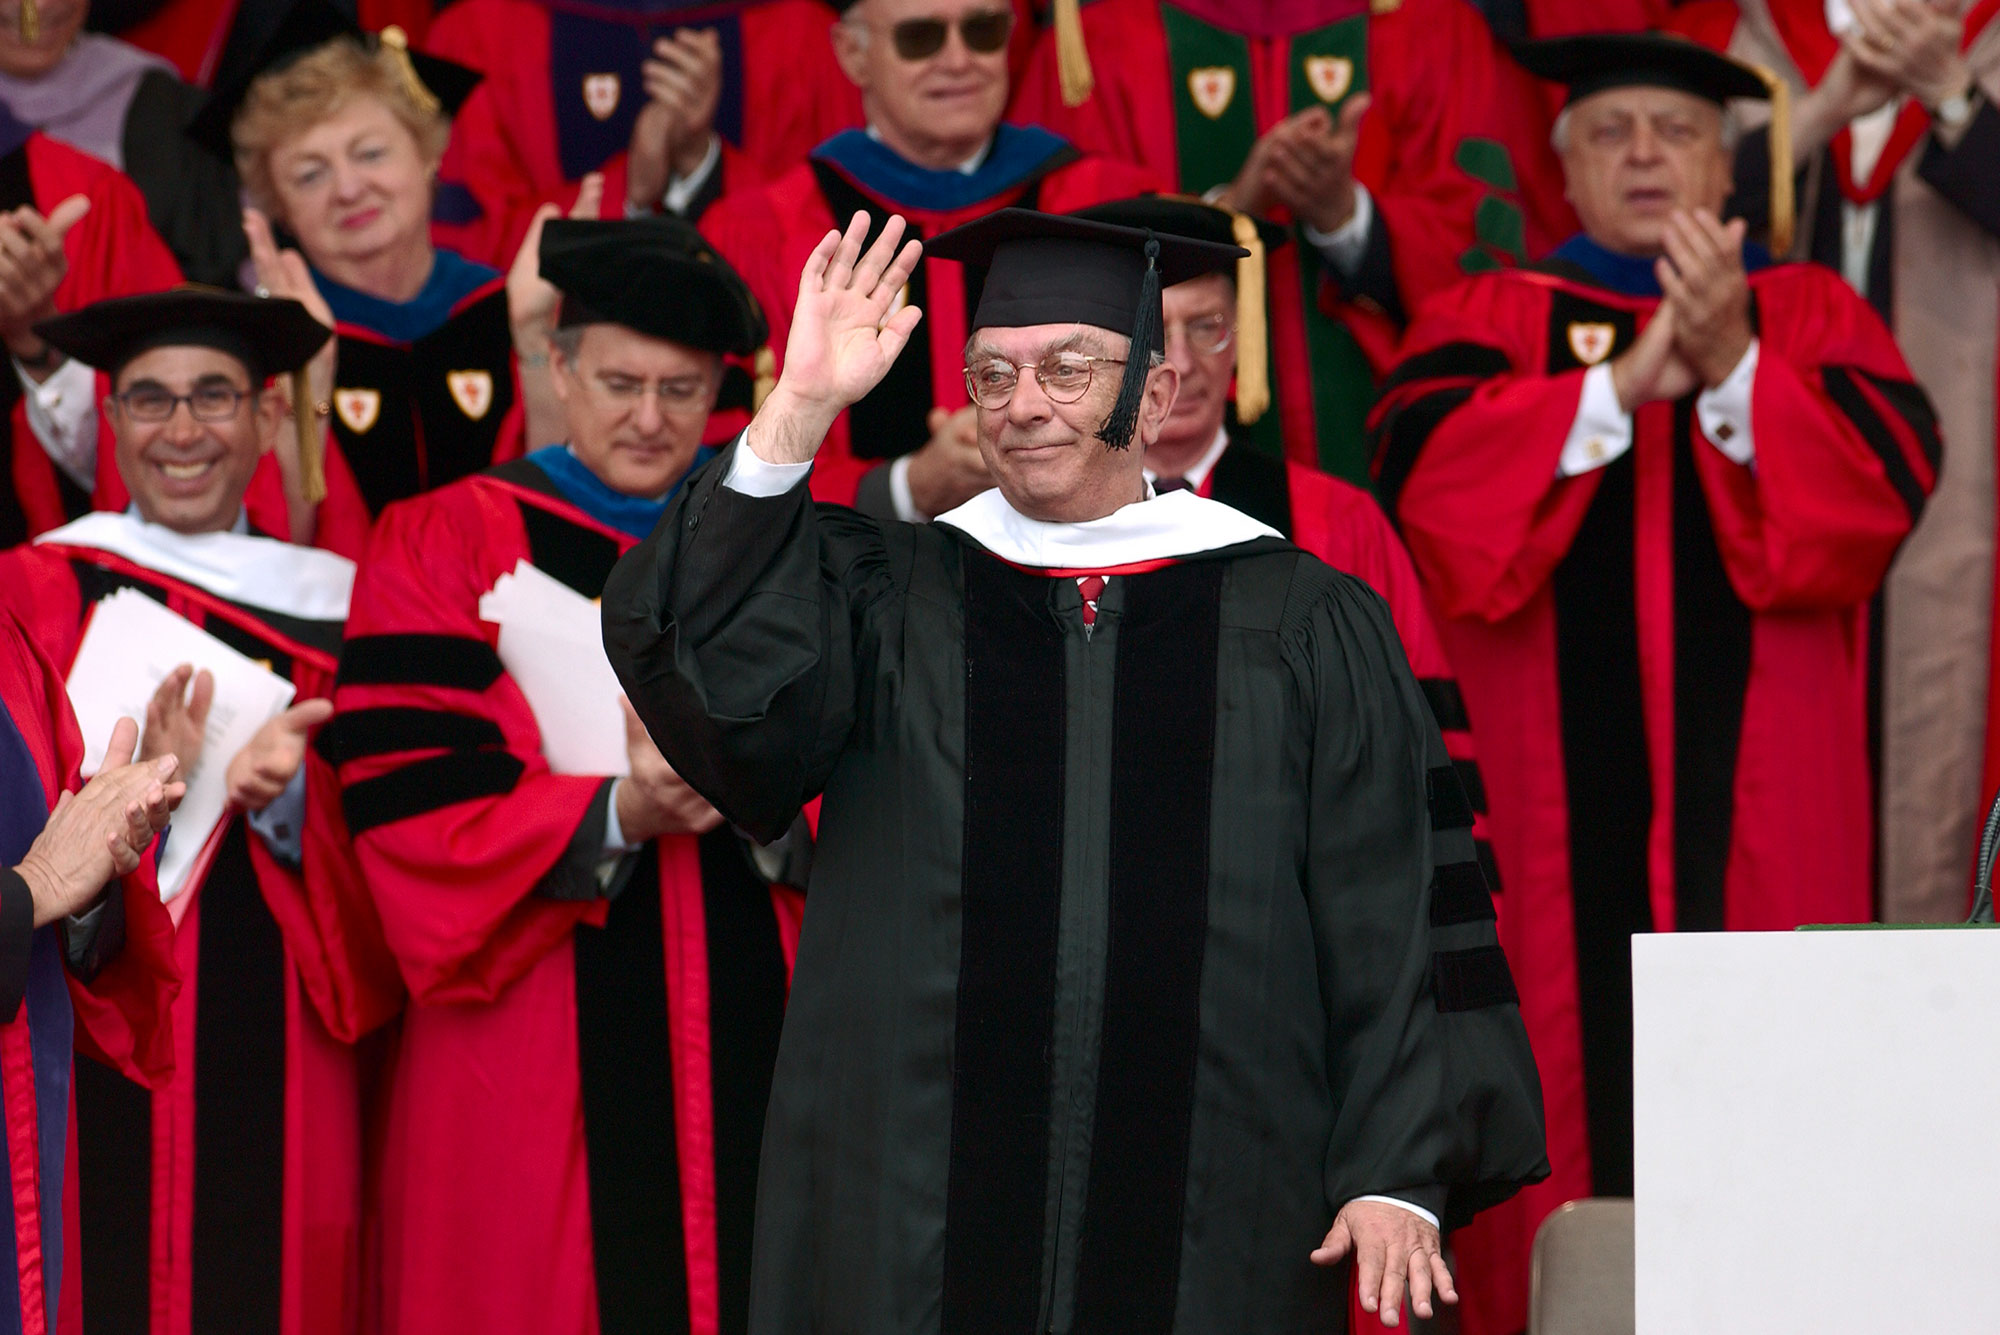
(600, 94)
(472, 391)
(1330, 76)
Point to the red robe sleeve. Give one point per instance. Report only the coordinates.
(455, 816)
(124, 1014)
(1847, 451)
(1466, 439)
(330, 923)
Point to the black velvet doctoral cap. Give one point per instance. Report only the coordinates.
(1593, 62)
(656, 275)
(304, 27)
(1182, 215)
(1054, 268)
(269, 335)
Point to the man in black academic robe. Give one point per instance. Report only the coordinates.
(1147, 971)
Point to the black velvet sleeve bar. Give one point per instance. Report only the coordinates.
(17, 932)
(574, 877)
(1969, 174)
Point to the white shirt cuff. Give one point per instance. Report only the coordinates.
(1601, 430)
(62, 412)
(753, 476)
(1345, 245)
(615, 844)
(681, 190)
(900, 495)
(1416, 1210)
(1724, 412)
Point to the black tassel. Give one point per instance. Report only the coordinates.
(1123, 421)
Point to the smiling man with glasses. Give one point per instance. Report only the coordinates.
(553, 927)
(265, 1082)
(933, 76)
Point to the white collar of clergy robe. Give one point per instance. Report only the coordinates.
(1177, 524)
(280, 577)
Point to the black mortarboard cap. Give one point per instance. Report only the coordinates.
(1184, 215)
(1052, 268)
(305, 26)
(269, 335)
(657, 275)
(1593, 62)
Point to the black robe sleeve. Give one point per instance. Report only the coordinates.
(1968, 174)
(732, 628)
(1438, 1096)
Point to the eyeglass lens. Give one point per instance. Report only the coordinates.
(983, 33)
(208, 403)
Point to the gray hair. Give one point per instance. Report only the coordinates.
(1731, 130)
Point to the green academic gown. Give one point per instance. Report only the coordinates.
(1129, 956)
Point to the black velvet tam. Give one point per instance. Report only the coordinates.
(656, 275)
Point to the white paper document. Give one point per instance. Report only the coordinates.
(552, 645)
(130, 646)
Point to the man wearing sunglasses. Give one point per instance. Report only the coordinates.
(1396, 141)
(933, 77)
(281, 966)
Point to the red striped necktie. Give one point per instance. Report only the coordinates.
(1090, 586)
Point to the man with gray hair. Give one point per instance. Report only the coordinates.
(1650, 486)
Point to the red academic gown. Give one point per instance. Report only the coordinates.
(1665, 657)
(767, 233)
(122, 1017)
(1454, 150)
(246, 1212)
(113, 251)
(577, 1109)
(563, 89)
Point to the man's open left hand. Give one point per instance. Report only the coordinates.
(1395, 1252)
(1702, 274)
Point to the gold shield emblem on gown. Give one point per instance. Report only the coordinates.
(1591, 340)
(472, 391)
(600, 94)
(358, 408)
(1213, 88)
(1330, 76)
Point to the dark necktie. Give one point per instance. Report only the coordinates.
(1167, 484)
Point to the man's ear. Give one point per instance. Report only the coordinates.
(273, 416)
(1163, 384)
(850, 50)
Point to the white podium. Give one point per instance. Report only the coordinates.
(1817, 1132)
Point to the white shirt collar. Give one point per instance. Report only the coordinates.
(1197, 473)
(965, 168)
(238, 567)
(1178, 524)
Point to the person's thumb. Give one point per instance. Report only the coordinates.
(935, 419)
(1357, 107)
(589, 197)
(307, 715)
(68, 213)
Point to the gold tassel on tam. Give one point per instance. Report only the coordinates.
(394, 38)
(1783, 209)
(765, 371)
(312, 458)
(1253, 376)
(1072, 57)
(31, 22)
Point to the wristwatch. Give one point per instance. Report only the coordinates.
(1956, 111)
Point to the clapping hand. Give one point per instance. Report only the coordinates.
(1913, 44)
(1702, 275)
(177, 717)
(264, 767)
(843, 340)
(652, 799)
(1304, 163)
(100, 832)
(284, 273)
(674, 129)
(32, 266)
(533, 303)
